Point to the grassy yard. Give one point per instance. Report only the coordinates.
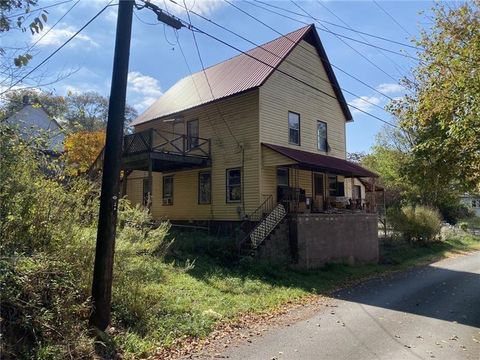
(175, 299)
(472, 222)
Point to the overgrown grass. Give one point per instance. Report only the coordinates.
(472, 222)
(179, 300)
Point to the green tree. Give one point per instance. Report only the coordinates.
(442, 110)
(89, 112)
(17, 15)
(54, 105)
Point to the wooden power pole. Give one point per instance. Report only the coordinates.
(107, 219)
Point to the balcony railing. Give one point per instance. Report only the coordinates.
(153, 140)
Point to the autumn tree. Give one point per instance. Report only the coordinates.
(441, 113)
(89, 112)
(82, 148)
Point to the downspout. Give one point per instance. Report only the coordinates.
(243, 178)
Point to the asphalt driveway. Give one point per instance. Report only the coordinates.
(432, 312)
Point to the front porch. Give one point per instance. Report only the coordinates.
(306, 182)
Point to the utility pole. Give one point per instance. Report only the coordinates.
(107, 218)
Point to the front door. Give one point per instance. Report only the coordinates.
(319, 190)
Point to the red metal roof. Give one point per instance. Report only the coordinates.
(322, 162)
(234, 76)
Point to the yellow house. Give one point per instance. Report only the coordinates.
(230, 143)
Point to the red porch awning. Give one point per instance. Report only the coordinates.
(319, 162)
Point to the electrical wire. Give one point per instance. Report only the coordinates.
(332, 32)
(397, 66)
(305, 48)
(37, 9)
(206, 76)
(59, 48)
(193, 28)
(391, 17)
(296, 65)
(350, 46)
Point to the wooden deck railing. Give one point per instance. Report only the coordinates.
(153, 140)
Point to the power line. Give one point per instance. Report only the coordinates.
(38, 9)
(206, 76)
(193, 80)
(193, 28)
(58, 49)
(50, 29)
(45, 33)
(295, 65)
(391, 17)
(334, 33)
(305, 48)
(350, 46)
(396, 65)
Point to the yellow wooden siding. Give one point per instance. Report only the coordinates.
(281, 94)
(348, 187)
(241, 115)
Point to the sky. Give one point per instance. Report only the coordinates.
(156, 62)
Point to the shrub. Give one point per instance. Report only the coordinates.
(416, 224)
(43, 312)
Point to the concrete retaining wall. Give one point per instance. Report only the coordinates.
(322, 238)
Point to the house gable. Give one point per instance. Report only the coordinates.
(282, 94)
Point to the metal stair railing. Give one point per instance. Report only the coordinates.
(265, 227)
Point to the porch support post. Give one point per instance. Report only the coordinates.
(352, 183)
(150, 184)
(374, 198)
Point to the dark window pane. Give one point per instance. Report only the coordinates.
(322, 136)
(234, 185)
(192, 134)
(168, 190)
(204, 188)
(282, 177)
(294, 128)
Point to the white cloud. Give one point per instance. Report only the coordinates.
(144, 88)
(390, 88)
(204, 7)
(58, 36)
(365, 103)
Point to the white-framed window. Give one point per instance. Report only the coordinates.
(293, 128)
(234, 185)
(282, 176)
(322, 143)
(204, 187)
(168, 190)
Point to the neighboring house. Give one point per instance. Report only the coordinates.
(471, 202)
(33, 121)
(251, 141)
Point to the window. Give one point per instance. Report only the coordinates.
(204, 187)
(168, 190)
(335, 187)
(192, 134)
(234, 185)
(282, 177)
(322, 136)
(293, 128)
(146, 192)
(332, 185)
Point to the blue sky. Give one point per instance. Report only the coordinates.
(156, 62)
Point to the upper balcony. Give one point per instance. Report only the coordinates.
(160, 151)
(165, 151)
